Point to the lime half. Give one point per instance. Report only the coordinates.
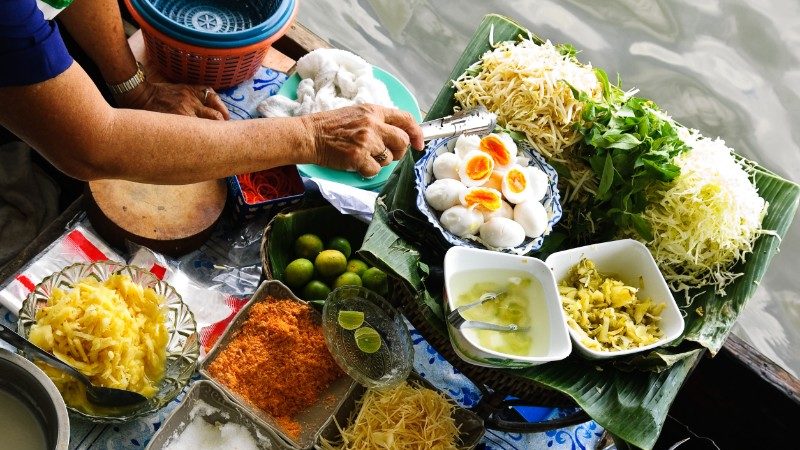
(367, 339)
(350, 320)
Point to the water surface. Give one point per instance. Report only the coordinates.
(728, 68)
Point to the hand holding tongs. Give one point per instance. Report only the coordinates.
(457, 320)
(476, 120)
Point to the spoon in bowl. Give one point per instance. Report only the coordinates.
(100, 396)
(457, 320)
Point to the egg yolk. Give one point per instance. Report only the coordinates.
(488, 199)
(516, 181)
(496, 149)
(479, 168)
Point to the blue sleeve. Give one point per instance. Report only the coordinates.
(31, 48)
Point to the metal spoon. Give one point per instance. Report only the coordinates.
(457, 320)
(101, 396)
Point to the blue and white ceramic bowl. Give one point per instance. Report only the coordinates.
(423, 172)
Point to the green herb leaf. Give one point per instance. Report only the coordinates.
(606, 179)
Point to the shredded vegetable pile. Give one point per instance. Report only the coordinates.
(530, 88)
(606, 313)
(707, 219)
(401, 418)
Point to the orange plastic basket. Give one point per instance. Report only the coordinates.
(218, 68)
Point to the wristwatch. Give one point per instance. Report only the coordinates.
(129, 84)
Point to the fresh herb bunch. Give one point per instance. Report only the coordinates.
(629, 144)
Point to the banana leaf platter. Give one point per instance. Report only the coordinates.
(631, 397)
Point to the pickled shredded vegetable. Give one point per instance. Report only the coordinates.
(529, 87)
(606, 313)
(706, 220)
(403, 418)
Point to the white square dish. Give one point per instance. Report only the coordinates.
(549, 327)
(627, 260)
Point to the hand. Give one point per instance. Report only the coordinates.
(362, 138)
(175, 99)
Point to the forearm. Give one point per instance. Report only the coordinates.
(67, 120)
(96, 25)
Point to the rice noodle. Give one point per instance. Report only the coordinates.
(402, 418)
(528, 86)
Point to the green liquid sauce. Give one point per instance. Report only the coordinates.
(523, 305)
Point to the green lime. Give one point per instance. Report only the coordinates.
(298, 272)
(375, 279)
(350, 320)
(341, 244)
(307, 246)
(330, 263)
(347, 279)
(367, 339)
(316, 290)
(357, 266)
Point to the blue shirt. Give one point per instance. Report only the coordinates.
(31, 48)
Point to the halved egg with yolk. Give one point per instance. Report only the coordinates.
(501, 147)
(485, 199)
(516, 185)
(475, 168)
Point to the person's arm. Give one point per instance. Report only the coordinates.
(96, 25)
(68, 121)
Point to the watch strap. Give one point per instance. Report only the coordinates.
(131, 83)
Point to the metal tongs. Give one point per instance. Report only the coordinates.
(476, 120)
(456, 319)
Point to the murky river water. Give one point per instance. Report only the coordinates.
(728, 68)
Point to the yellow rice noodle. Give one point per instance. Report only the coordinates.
(114, 332)
(401, 418)
(528, 86)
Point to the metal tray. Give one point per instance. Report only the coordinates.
(313, 419)
(229, 412)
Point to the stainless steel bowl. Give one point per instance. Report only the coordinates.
(22, 379)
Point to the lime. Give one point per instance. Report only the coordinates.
(357, 266)
(367, 339)
(350, 320)
(298, 272)
(307, 246)
(347, 279)
(341, 244)
(330, 263)
(316, 290)
(375, 279)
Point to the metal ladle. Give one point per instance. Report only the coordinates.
(101, 396)
(456, 319)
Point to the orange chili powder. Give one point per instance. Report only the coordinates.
(278, 361)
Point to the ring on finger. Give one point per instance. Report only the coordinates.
(206, 91)
(382, 157)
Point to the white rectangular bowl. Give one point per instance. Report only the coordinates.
(626, 260)
(459, 259)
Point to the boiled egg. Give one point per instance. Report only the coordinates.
(516, 184)
(540, 182)
(446, 166)
(461, 221)
(495, 180)
(466, 144)
(475, 168)
(500, 232)
(502, 149)
(505, 210)
(444, 193)
(485, 199)
(532, 216)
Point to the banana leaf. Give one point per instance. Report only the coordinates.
(631, 397)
